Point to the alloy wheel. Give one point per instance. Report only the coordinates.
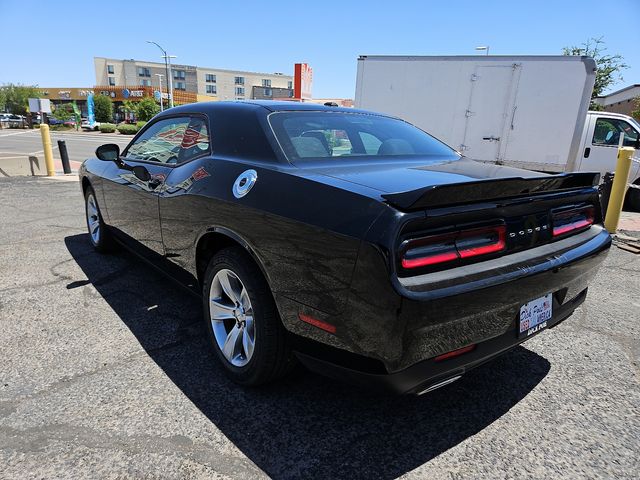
(232, 318)
(93, 219)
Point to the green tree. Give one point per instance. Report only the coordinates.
(128, 106)
(609, 67)
(103, 108)
(14, 98)
(62, 112)
(146, 109)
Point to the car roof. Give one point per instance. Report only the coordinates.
(269, 105)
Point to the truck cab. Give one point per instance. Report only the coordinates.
(603, 133)
(601, 138)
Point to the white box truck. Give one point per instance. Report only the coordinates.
(524, 111)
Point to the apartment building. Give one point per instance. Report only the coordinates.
(216, 83)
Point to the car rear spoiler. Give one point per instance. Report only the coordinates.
(489, 189)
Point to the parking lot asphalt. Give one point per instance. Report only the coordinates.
(22, 144)
(105, 373)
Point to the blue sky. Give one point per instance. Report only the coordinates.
(53, 43)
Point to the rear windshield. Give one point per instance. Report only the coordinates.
(343, 136)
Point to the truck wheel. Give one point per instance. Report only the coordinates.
(99, 236)
(242, 321)
(633, 197)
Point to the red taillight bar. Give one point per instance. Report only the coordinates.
(430, 260)
(572, 220)
(497, 246)
(437, 249)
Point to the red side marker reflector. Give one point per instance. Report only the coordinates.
(327, 327)
(455, 353)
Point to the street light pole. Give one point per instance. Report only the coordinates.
(168, 60)
(167, 65)
(159, 75)
(485, 48)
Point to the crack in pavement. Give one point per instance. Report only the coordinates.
(37, 439)
(628, 345)
(187, 335)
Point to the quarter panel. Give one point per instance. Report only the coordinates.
(304, 233)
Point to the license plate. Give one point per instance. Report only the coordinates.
(534, 315)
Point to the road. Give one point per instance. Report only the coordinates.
(18, 144)
(105, 374)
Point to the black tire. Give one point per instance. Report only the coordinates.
(103, 242)
(633, 198)
(271, 358)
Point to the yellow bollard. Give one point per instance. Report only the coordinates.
(618, 189)
(48, 152)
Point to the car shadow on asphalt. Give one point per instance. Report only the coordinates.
(306, 426)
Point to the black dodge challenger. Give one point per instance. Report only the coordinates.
(350, 241)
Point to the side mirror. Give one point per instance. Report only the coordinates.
(109, 152)
(141, 173)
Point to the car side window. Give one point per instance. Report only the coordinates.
(195, 141)
(171, 141)
(607, 132)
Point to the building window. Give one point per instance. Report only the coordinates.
(180, 86)
(212, 89)
(239, 80)
(112, 81)
(180, 74)
(110, 69)
(289, 84)
(211, 78)
(239, 90)
(144, 72)
(266, 82)
(145, 82)
(268, 92)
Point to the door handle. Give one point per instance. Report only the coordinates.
(587, 152)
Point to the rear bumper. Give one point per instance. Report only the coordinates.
(395, 335)
(427, 373)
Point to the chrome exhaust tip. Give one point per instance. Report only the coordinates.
(439, 384)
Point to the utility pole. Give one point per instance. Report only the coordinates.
(167, 65)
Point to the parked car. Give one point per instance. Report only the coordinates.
(55, 121)
(87, 126)
(10, 120)
(389, 261)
